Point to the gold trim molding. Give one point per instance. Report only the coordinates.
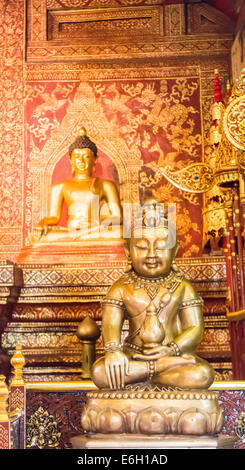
(164, 29)
(86, 385)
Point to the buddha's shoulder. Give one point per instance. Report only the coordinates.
(189, 291)
(114, 294)
(118, 286)
(58, 186)
(64, 185)
(103, 183)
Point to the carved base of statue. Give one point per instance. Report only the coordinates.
(139, 441)
(72, 251)
(152, 417)
(152, 411)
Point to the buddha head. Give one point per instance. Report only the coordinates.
(153, 244)
(83, 154)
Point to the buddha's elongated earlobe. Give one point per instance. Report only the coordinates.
(174, 265)
(129, 259)
(72, 166)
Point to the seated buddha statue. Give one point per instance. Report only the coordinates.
(94, 210)
(163, 310)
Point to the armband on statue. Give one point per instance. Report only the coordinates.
(175, 348)
(113, 347)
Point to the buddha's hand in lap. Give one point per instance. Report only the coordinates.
(116, 367)
(152, 354)
(39, 231)
(44, 226)
(165, 353)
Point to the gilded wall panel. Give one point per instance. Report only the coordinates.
(11, 126)
(105, 24)
(125, 104)
(73, 30)
(144, 122)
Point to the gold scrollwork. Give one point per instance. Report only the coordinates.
(240, 427)
(42, 430)
(195, 178)
(234, 122)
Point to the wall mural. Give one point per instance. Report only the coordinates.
(11, 126)
(144, 117)
(149, 123)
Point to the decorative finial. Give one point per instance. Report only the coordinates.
(88, 330)
(82, 131)
(18, 362)
(228, 91)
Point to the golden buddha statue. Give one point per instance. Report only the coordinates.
(94, 208)
(153, 383)
(164, 314)
(94, 215)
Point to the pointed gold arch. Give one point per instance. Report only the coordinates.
(85, 111)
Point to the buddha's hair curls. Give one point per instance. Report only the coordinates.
(83, 142)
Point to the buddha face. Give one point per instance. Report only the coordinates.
(150, 254)
(83, 161)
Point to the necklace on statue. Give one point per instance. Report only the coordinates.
(152, 285)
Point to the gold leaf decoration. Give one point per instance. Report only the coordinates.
(42, 430)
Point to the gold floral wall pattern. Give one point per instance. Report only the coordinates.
(141, 126)
(162, 119)
(11, 126)
(145, 101)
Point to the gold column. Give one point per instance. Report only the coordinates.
(4, 418)
(17, 400)
(18, 362)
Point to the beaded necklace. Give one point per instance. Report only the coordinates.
(152, 285)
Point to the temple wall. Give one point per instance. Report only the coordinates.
(12, 46)
(137, 122)
(137, 75)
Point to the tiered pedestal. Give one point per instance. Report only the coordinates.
(71, 252)
(146, 417)
(103, 441)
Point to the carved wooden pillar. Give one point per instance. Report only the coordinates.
(4, 419)
(17, 400)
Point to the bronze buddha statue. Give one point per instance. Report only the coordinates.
(164, 314)
(152, 383)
